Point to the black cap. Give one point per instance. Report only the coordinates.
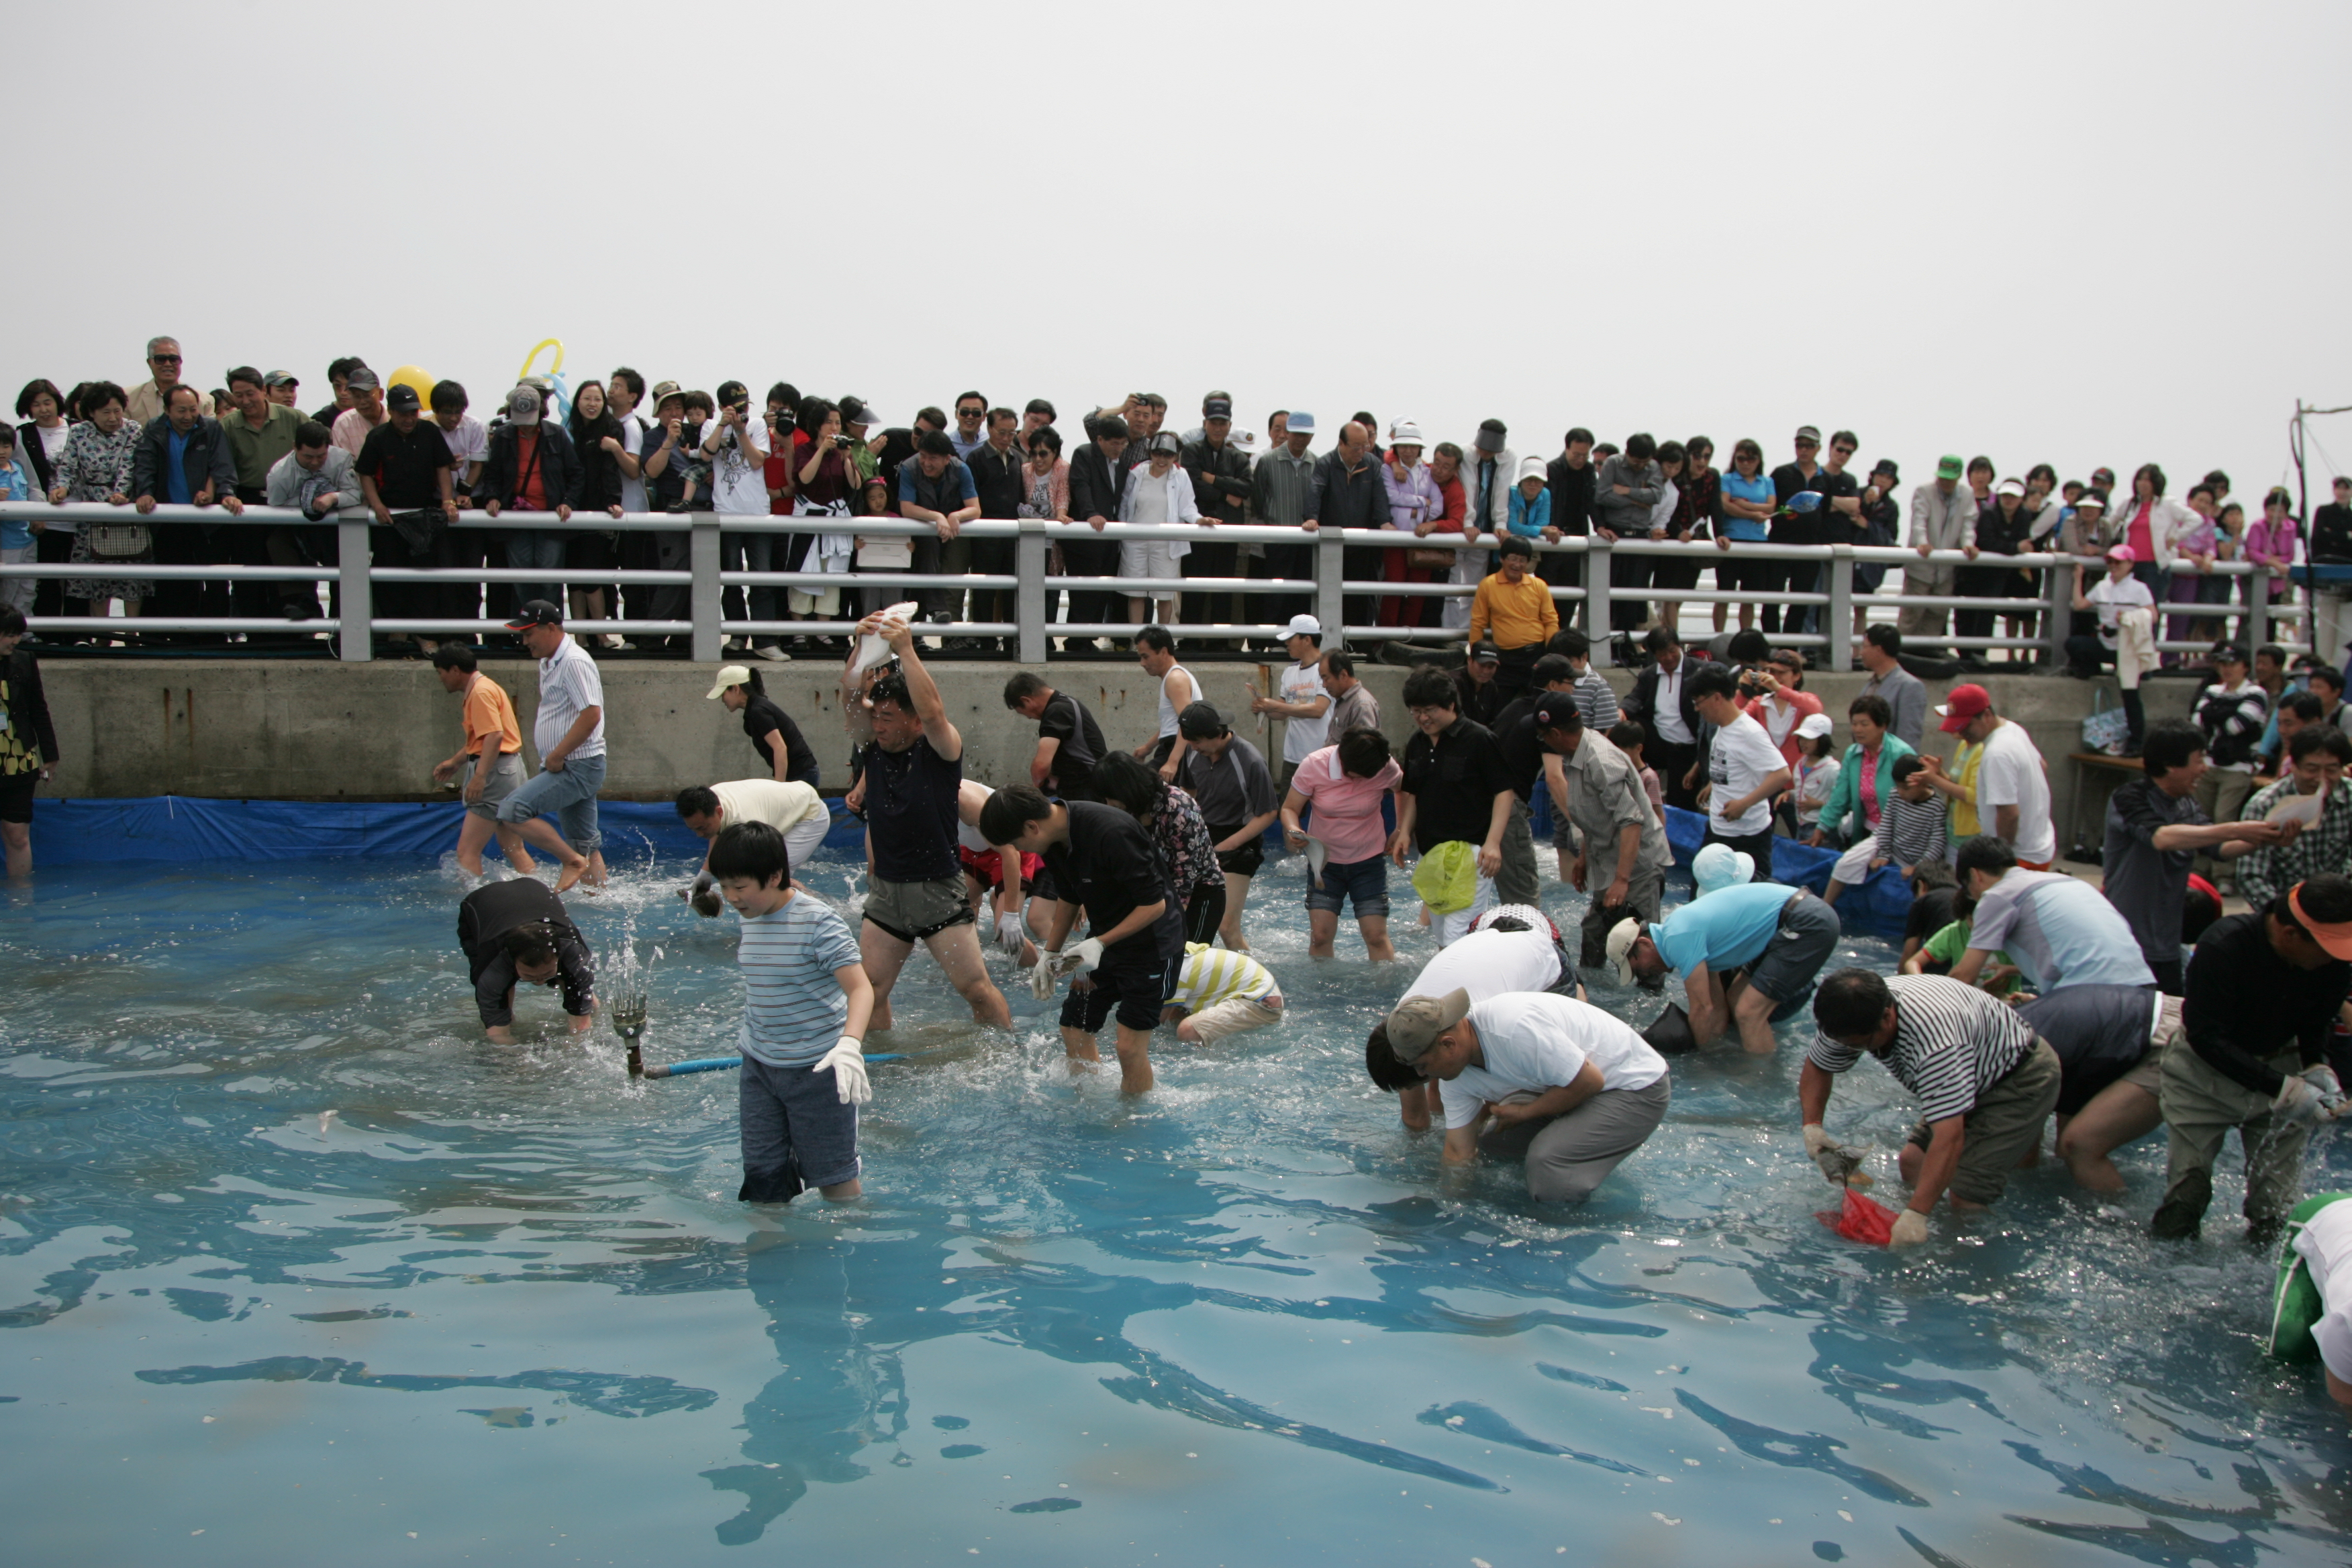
(1557, 711)
(1217, 408)
(536, 613)
(1487, 653)
(2228, 653)
(854, 411)
(403, 399)
(1200, 721)
(1491, 433)
(1885, 466)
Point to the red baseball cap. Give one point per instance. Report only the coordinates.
(1963, 707)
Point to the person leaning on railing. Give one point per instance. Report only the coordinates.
(1943, 517)
(1513, 608)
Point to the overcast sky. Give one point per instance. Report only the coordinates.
(2076, 233)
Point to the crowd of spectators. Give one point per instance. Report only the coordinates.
(417, 458)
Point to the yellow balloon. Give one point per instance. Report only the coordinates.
(556, 344)
(414, 375)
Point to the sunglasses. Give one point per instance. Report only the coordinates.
(164, 359)
(1843, 451)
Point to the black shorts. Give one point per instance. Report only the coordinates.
(16, 796)
(1135, 977)
(1244, 861)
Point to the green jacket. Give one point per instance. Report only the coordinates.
(1845, 796)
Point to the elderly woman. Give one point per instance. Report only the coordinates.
(1415, 505)
(94, 464)
(1174, 820)
(1159, 491)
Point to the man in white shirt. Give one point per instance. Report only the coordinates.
(1487, 962)
(1572, 1088)
(569, 731)
(1305, 703)
(2012, 782)
(791, 808)
(1745, 771)
(735, 443)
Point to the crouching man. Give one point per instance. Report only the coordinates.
(520, 932)
(1554, 1081)
(1985, 1081)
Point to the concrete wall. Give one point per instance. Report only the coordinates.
(304, 731)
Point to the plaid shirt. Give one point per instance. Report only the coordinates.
(2326, 847)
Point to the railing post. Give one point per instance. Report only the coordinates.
(1029, 557)
(2058, 590)
(703, 562)
(1838, 650)
(1330, 605)
(1596, 591)
(2258, 609)
(356, 638)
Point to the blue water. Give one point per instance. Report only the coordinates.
(501, 1303)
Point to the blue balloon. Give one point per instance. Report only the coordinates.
(1805, 500)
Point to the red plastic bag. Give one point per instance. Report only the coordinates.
(1863, 1219)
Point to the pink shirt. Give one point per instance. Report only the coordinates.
(1870, 789)
(1781, 726)
(350, 431)
(1347, 810)
(2139, 536)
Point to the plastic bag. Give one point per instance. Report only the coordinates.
(1862, 1219)
(1447, 877)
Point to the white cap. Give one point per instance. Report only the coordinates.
(1719, 866)
(1813, 724)
(1532, 469)
(1622, 937)
(2010, 487)
(1405, 433)
(1302, 626)
(729, 675)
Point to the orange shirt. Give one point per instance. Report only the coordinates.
(490, 713)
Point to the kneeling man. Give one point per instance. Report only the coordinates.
(1564, 1085)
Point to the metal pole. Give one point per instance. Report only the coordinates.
(356, 640)
(703, 562)
(1330, 606)
(2258, 608)
(2058, 588)
(1596, 591)
(1029, 599)
(1837, 648)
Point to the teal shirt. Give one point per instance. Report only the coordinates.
(1722, 930)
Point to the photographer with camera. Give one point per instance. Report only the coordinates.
(736, 443)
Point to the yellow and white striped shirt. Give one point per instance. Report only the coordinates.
(1214, 975)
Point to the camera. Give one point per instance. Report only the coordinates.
(1752, 683)
(842, 442)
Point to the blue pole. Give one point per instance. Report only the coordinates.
(723, 1064)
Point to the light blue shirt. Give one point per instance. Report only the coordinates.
(175, 477)
(1758, 491)
(2058, 931)
(1722, 930)
(16, 484)
(794, 1010)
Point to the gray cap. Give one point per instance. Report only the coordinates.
(362, 379)
(522, 406)
(1417, 1022)
(1167, 441)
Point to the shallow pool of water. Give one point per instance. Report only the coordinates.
(301, 1268)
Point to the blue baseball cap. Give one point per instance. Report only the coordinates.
(1302, 423)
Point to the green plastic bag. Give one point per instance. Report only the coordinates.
(2296, 1303)
(1447, 877)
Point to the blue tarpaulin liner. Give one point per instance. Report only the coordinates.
(174, 827)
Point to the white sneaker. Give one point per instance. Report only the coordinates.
(774, 653)
(618, 643)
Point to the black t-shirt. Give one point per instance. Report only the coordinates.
(1477, 701)
(1002, 483)
(490, 913)
(1835, 527)
(1931, 912)
(1795, 528)
(910, 808)
(1523, 754)
(2245, 1004)
(1109, 865)
(1066, 720)
(761, 715)
(1454, 781)
(403, 466)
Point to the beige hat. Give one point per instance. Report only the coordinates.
(1417, 1022)
(729, 675)
(1622, 937)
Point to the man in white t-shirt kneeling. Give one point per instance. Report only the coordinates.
(2012, 782)
(794, 810)
(1557, 1081)
(1745, 771)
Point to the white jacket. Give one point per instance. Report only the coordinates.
(2168, 520)
(1498, 502)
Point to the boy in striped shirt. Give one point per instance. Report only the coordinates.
(1220, 993)
(805, 1005)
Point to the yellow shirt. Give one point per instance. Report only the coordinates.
(1214, 975)
(1963, 771)
(1514, 615)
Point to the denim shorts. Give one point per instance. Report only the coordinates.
(570, 794)
(795, 1131)
(1363, 882)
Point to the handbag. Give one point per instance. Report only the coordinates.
(2106, 728)
(1427, 560)
(119, 541)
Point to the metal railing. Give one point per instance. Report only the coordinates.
(711, 537)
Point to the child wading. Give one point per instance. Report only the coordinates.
(805, 1003)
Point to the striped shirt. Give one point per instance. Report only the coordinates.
(1214, 975)
(1596, 701)
(2271, 869)
(1911, 831)
(794, 1010)
(1952, 1042)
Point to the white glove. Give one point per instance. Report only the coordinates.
(1817, 1138)
(847, 1060)
(1012, 931)
(2299, 1103)
(1086, 955)
(2323, 1078)
(1043, 978)
(1910, 1229)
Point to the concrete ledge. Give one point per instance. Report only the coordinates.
(307, 730)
